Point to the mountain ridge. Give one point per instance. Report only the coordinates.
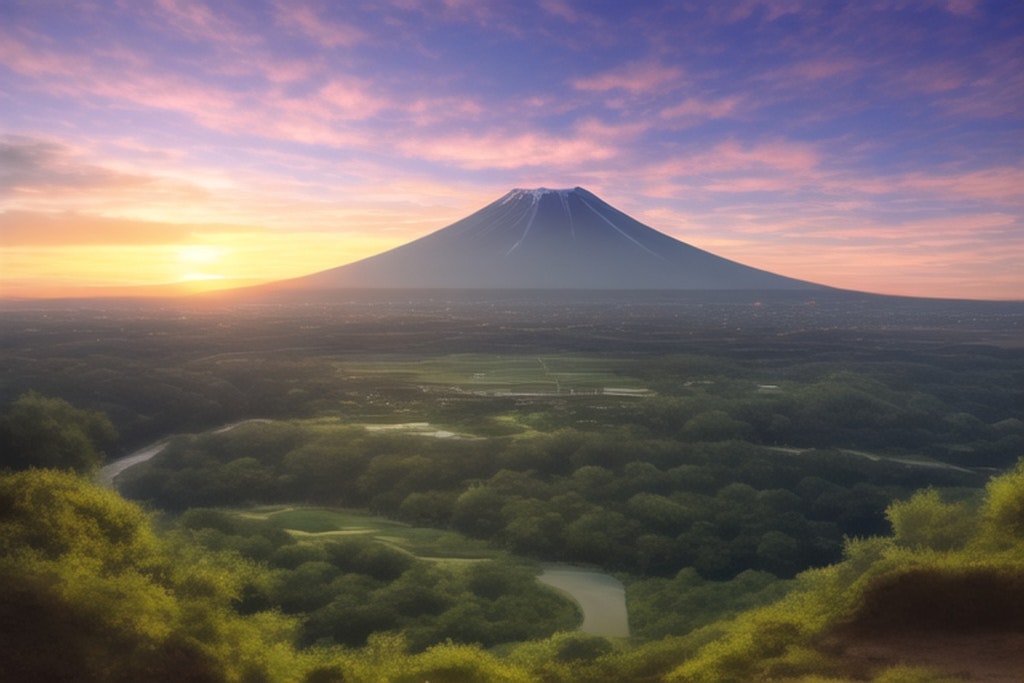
(546, 239)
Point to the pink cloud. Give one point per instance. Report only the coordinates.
(297, 125)
(281, 71)
(495, 150)
(598, 130)
(773, 9)
(782, 169)
(773, 184)
(267, 113)
(945, 230)
(351, 98)
(930, 78)
(694, 108)
(962, 7)
(995, 91)
(933, 257)
(31, 61)
(195, 19)
(496, 15)
(561, 9)
(325, 33)
(635, 78)
(777, 155)
(426, 111)
(820, 69)
(81, 77)
(1002, 183)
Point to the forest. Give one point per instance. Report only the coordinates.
(358, 491)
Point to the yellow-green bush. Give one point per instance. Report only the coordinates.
(938, 571)
(92, 594)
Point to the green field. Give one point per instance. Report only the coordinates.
(486, 373)
(314, 524)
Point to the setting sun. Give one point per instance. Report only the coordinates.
(198, 254)
(198, 260)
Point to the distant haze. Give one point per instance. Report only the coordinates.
(546, 239)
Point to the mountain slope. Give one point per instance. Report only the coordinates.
(546, 239)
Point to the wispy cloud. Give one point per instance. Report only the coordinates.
(770, 9)
(1002, 184)
(325, 32)
(695, 109)
(30, 166)
(352, 98)
(775, 155)
(635, 78)
(33, 228)
(198, 21)
(816, 69)
(562, 9)
(500, 150)
(16, 54)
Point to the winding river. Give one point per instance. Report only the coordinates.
(602, 598)
(109, 472)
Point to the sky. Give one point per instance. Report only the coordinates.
(166, 145)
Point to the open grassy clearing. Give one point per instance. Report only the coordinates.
(557, 373)
(322, 524)
(326, 426)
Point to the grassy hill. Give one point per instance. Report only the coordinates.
(942, 598)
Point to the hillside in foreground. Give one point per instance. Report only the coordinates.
(940, 599)
(89, 575)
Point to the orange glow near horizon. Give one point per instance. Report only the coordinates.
(156, 270)
(226, 260)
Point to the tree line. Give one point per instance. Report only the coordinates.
(646, 506)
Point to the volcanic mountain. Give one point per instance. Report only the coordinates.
(546, 239)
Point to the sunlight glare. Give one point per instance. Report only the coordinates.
(199, 254)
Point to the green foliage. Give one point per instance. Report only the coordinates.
(92, 594)
(485, 602)
(457, 664)
(569, 656)
(37, 431)
(925, 578)
(386, 659)
(763, 644)
(644, 505)
(1003, 512)
(714, 425)
(344, 589)
(53, 515)
(710, 472)
(686, 602)
(477, 512)
(925, 521)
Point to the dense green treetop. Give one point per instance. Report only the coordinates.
(91, 593)
(37, 431)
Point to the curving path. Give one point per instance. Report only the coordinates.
(602, 598)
